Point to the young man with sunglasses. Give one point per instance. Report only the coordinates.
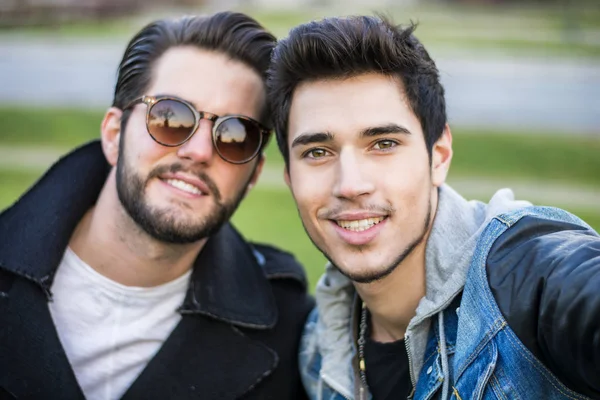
(427, 295)
(120, 276)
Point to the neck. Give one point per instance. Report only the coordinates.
(393, 300)
(110, 242)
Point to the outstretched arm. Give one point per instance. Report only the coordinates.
(545, 277)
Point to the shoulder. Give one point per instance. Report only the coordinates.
(545, 237)
(542, 272)
(540, 246)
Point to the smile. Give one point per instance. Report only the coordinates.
(360, 224)
(184, 186)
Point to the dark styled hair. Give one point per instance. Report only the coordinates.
(234, 34)
(340, 48)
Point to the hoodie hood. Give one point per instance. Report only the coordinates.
(456, 228)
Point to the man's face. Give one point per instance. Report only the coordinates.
(183, 194)
(360, 173)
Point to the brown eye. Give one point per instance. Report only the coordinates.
(384, 144)
(315, 153)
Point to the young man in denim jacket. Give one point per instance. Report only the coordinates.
(427, 295)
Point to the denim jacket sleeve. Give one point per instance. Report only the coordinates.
(545, 277)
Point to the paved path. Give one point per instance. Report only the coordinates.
(539, 192)
(492, 91)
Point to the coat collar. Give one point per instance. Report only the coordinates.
(228, 283)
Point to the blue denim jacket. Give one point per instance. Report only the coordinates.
(470, 352)
(486, 360)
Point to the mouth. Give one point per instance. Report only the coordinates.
(359, 228)
(184, 186)
(360, 224)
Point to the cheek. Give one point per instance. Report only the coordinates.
(140, 149)
(310, 193)
(407, 190)
(146, 158)
(415, 205)
(412, 176)
(231, 179)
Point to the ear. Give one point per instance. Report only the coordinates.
(441, 156)
(256, 173)
(111, 134)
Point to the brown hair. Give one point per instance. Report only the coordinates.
(339, 48)
(234, 34)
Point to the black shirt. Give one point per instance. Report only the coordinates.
(387, 370)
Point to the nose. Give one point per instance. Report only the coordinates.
(352, 178)
(199, 148)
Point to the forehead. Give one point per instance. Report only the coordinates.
(210, 80)
(348, 106)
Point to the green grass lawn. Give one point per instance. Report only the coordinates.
(13, 184)
(48, 126)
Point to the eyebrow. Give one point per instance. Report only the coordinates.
(385, 130)
(322, 137)
(308, 138)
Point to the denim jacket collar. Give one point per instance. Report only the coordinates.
(228, 282)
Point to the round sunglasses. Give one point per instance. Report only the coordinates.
(171, 122)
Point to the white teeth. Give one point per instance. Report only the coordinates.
(186, 187)
(361, 224)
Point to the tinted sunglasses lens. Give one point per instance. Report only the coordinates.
(170, 122)
(237, 139)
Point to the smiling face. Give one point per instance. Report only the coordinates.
(360, 172)
(183, 194)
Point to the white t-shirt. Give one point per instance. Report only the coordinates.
(110, 331)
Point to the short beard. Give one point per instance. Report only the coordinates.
(162, 224)
(371, 277)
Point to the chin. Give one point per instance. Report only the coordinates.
(362, 275)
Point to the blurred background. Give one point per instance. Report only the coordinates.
(522, 81)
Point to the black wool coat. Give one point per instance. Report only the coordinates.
(242, 316)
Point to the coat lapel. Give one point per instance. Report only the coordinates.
(33, 363)
(204, 358)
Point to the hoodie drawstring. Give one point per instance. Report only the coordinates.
(444, 356)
